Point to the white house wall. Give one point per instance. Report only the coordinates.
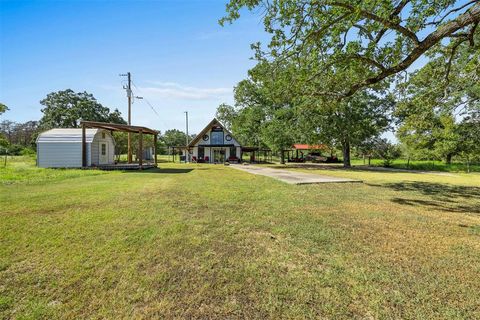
(225, 133)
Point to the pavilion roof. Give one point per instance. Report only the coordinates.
(299, 146)
(118, 127)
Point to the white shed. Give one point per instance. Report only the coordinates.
(62, 148)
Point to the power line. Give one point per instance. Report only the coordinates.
(151, 106)
(146, 100)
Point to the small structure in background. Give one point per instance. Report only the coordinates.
(62, 148)
(92, 145)
(305, 152)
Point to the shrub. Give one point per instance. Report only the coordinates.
(387, 151)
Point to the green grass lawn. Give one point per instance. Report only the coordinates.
(208, 241)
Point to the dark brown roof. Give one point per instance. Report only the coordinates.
(118, 127)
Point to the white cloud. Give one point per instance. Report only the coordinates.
(172, 90)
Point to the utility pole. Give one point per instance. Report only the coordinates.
(187, 154)
(128, 88)
(129, 95)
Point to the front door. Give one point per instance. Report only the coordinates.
(218, 155)
(103, 159)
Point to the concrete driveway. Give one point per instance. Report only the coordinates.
(291, 177)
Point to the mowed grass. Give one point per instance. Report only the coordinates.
(22, 169)
(207, 241)
(423, 165)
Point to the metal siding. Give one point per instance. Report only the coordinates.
(60, 155)
(66, 135)
(56, 154)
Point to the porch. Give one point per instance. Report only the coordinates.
(129, 165)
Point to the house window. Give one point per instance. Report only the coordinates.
(233, 152)
(104, 149)
(201, 152)
(216, 136)
(103, 135)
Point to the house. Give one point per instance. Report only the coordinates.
(214, 144)
(62, 148)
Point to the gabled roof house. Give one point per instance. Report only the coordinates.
(214, 144)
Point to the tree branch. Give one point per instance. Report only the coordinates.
(386, 22)
(367, 60)
(472, 16)
(436, 23)
(365, 31)
(395, 13)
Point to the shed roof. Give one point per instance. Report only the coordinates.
(66, 135)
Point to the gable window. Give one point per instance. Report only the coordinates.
(216, 137)
(103, 135)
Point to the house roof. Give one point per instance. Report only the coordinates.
(205, 130)
(66, 135)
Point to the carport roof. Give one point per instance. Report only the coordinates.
(118, 127)
(299, 146)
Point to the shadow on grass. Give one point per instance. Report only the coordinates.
(162, 170)
(444, 197)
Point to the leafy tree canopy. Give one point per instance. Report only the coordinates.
(3, 108)
(278, 114)
(435, 99)
(343, 46)
(175, 137)
(65, 109)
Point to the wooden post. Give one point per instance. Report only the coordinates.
(84, 147)
(155, 149)
(140, 149)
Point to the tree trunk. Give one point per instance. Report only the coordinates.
(369, 158)
(282, 159)
(448, 160)
(346, 154)
(408, 163)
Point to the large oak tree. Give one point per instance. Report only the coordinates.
(357, 43)
(65, 109)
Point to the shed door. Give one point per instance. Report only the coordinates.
(103, 152)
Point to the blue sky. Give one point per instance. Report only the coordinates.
(179, 56)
